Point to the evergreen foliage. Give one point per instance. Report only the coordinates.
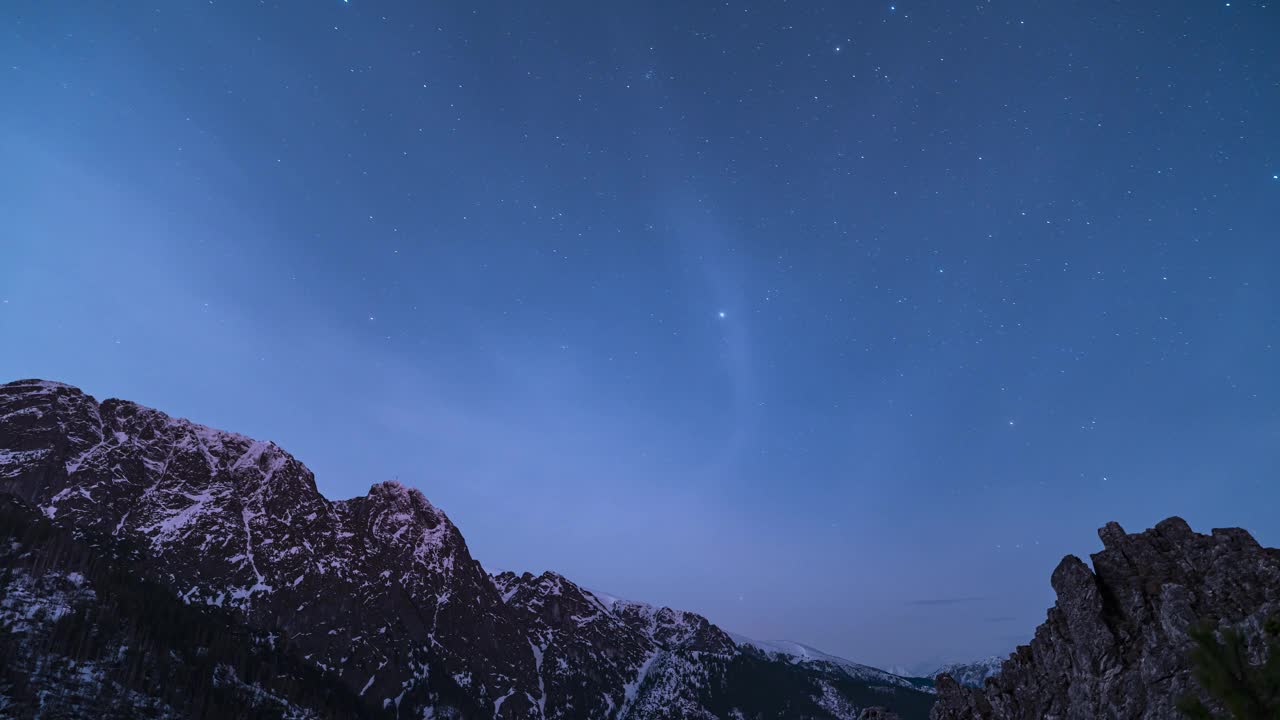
(1221, 666)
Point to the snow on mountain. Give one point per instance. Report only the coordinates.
(798, 653)
(83, 635)
(380, 591)
(972, 673)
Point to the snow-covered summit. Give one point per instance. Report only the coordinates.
(972, 673)
(44, 385)
(800, 653)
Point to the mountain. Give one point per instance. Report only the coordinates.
(83, 635)
(805, 656)
(1115, 644)
(377, 594)
(970, 674)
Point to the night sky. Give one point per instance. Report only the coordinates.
(838, 322)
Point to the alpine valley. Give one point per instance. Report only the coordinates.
(151, 567)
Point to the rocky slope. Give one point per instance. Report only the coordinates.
(380, 591)
(82, 634)
(1115, 643)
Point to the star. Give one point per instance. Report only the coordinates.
(721, 314)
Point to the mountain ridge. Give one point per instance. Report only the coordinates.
(971, 673)
(380, 590)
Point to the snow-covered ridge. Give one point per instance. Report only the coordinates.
(973, 673)
(43, 384)
(799, 653)
(789, 651)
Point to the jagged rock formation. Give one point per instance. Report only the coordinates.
(381, 592)
(1115, 644)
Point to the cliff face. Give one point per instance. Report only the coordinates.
(83, 634)
(1115, 644)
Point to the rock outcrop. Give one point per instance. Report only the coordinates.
(1115, 645)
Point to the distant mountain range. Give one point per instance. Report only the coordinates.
(973, 672)
(970, 674)
(159, 568)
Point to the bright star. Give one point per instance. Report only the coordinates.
(721, 313)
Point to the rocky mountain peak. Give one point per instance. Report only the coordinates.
(393, 492)
(391, 509)
(1115, 644)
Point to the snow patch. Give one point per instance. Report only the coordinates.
(497, 704)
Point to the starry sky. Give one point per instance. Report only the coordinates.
(838, 322)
